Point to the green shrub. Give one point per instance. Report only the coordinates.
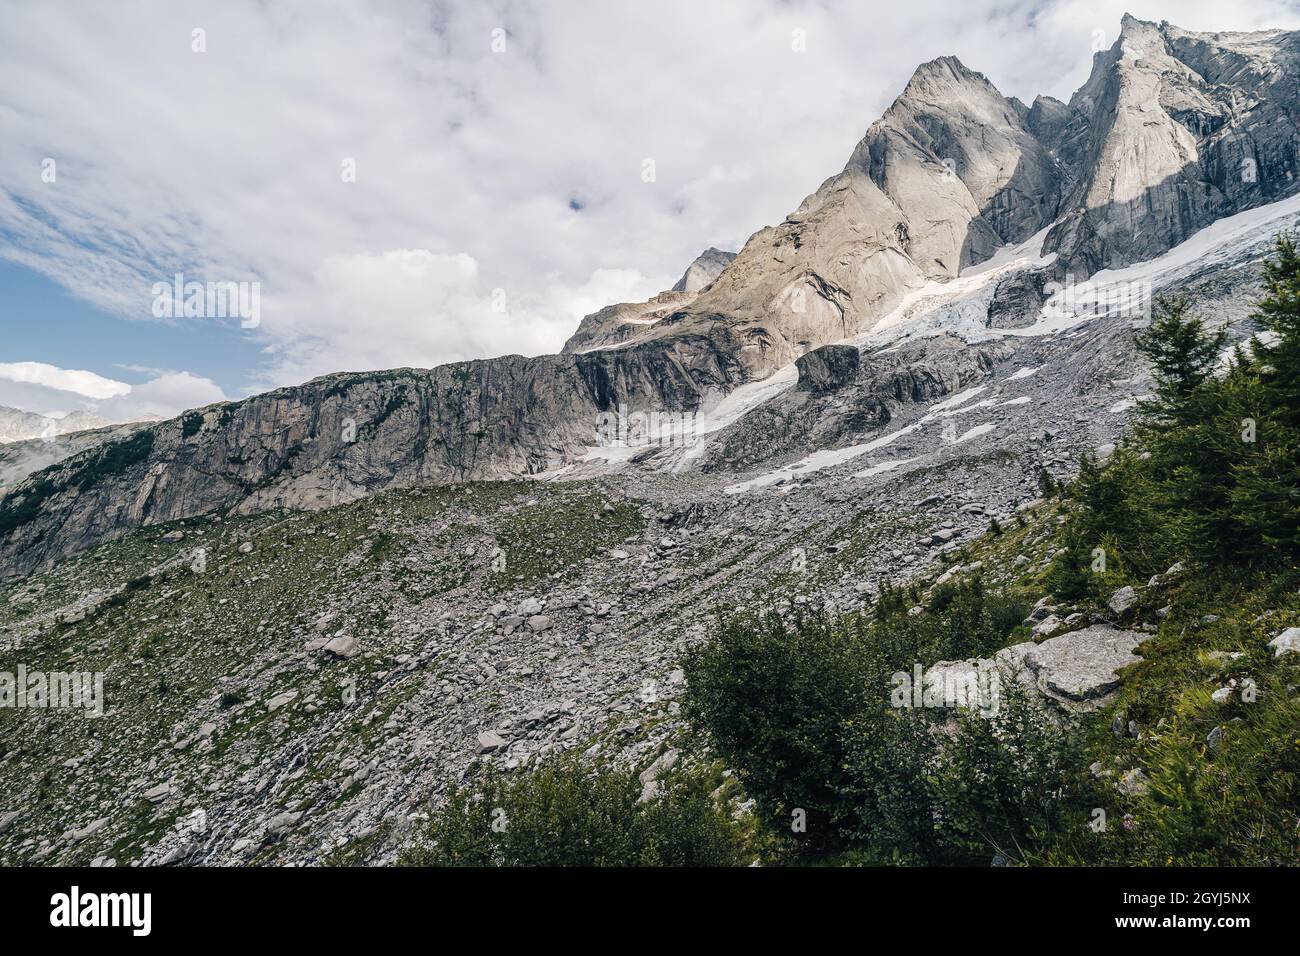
(774, 700)
(889, 753)
(565, 812)
(803, 714)
(1003, 782)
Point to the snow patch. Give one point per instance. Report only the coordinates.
(960, 398)
(883, 467)
(976, 432)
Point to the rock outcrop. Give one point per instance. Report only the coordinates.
(700, 274)
(1076, 672)
(1176, 130)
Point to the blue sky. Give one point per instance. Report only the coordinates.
(405, 190)
(44, 322)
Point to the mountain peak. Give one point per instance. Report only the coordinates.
(708, 265)
(1128, 22)
(943, 71)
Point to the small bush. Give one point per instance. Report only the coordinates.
(565, 812)
(1002, 783)
(775, 699)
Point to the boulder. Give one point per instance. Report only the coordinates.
(1133, 783)
(1288, 642)
(1075, 671)
(282, 823)
(827, 368)
(159, 793)
(76, 836)
(344, 646)
(1123, 600)
(1048, 626)
(280, 700)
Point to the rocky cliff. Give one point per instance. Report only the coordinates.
(1175, 130)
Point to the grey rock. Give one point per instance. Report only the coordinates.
(159, 793)
(76, 836)
(1133, 783)
(1078, 669)
(662, 764)
(1048, 626)
(827, 368)
(281, 700)
(1123, 600)
(282, 823)
(1288, 642)
(344, 646)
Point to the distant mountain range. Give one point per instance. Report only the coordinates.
(18, 425)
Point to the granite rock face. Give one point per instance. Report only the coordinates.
(1176, 130)
(701, 273)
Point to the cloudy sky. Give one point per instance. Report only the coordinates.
(411, 182)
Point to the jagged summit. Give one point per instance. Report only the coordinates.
(940, 72)
(707, 266)
(1175, 130)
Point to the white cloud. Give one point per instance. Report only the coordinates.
(228, 164)
(161, 397)
(54, 392)
(84, 383)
